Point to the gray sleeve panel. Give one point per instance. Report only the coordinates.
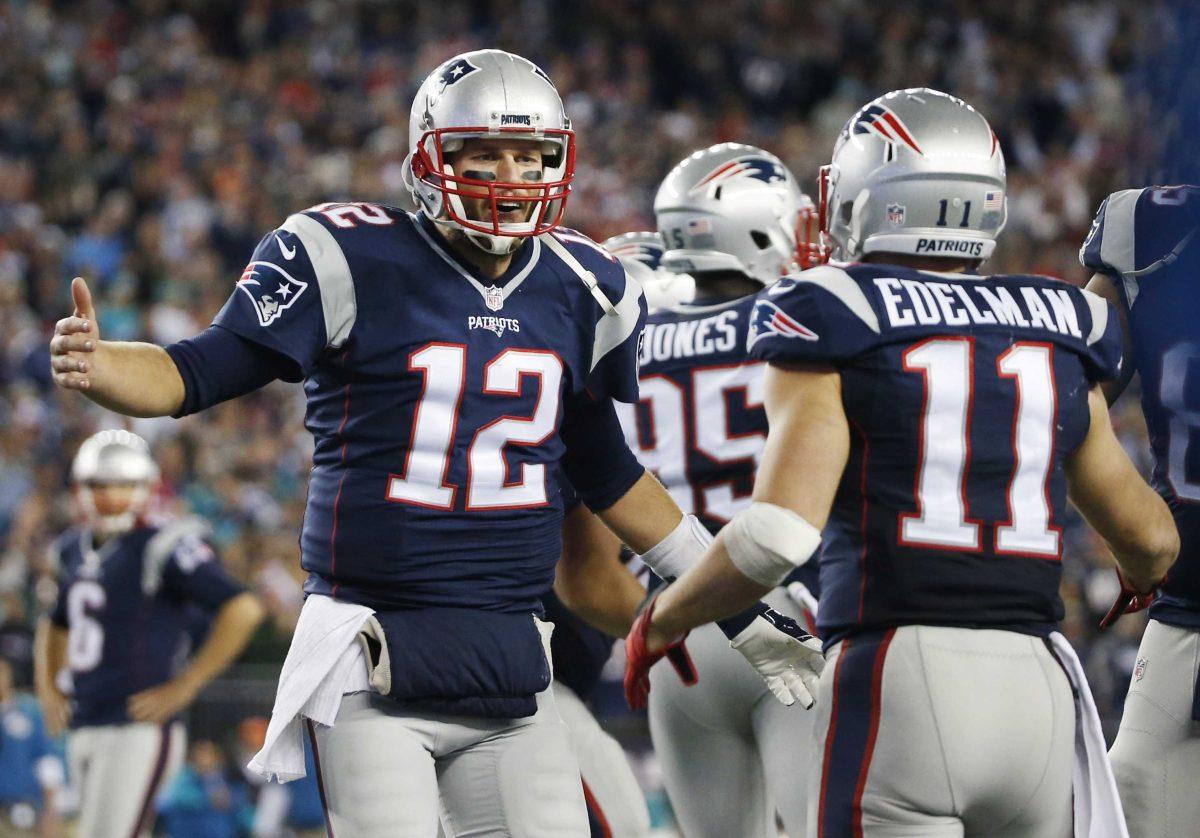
(161, 546)
(333, 276)
(1099, 308)
(1117, 246)
(838, 282)
(614, 329)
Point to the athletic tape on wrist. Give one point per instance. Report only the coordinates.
(684, 547)
(767, 542)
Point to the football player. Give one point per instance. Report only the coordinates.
(729, 215)
(1143, 249)
(641, 254)
(118, 632)
(932, 422)
(456, 362)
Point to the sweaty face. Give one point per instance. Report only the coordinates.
(498, 160)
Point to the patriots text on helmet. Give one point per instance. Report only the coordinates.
(958, 247)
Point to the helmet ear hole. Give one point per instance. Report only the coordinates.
(846, 211)
(761, 239)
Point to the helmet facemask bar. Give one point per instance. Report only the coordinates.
(812, 249)
(549, 200)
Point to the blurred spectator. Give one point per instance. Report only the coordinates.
(204, 800)
(31, 772)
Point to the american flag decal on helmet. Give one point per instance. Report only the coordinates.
(756, 168)
(878, 120)
(769, 319)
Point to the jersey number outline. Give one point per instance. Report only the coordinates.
(1181, 422)
(673, 438)
(941, 520)
(443, 367)
(85, 636)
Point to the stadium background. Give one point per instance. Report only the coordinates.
(148, 146)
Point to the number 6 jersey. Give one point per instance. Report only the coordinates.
(435, 398)
(964, 395)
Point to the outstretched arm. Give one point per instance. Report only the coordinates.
(136, 379)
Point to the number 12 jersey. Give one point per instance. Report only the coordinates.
(965, 395)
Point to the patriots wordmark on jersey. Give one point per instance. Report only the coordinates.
(699, 423)
(435, 397)
(1146, 241)
(964, 395)
(127, 606)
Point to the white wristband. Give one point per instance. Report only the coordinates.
(684, 547)
(767, 542)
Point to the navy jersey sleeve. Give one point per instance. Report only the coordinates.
(193, 573)
(296, 296)
(614, 352)
(1102, 358)
(819, 316)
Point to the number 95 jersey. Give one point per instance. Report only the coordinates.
(435, 398)
(964, 396)
(1146, 241)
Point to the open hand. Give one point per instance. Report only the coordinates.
(72, 349)
(158, 704)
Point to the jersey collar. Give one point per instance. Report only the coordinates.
(523, 262)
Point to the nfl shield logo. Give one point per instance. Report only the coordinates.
(895, 213)
(493, 298)
(1140, 669)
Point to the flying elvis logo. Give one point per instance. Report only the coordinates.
(272, 290)
(754, 168)
(882, 122)
(769, 319)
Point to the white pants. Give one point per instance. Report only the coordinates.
(119, 770)
(732, 755)
(382, 770)
(614, 798)
(938, 732)
(1156, 757)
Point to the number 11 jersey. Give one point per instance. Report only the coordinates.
(435, 398)
(965, 395)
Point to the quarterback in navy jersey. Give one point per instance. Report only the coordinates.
(928, 423)
(118, 634)
(729, 215)
(1143, 247)
(457, 362)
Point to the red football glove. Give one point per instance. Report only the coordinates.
(638, 659)
(1128, 601)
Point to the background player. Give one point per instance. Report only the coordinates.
(454, 360)
(936, 420)
(1144, 251)
(641, 255)
(730, 215)
(119, 629)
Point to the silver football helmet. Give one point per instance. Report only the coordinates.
(731, 207)
(114, 457)
(489, 93)
(918, 172)
(640, 254)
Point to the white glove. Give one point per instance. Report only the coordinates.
(787, 657)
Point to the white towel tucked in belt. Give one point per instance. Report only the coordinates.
(323, 663)
(1098, 812)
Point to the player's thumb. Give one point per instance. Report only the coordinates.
(82, 297)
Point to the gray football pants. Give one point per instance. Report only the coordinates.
(383, 770)
(1156, 757)
(731, 753)
(938, 732)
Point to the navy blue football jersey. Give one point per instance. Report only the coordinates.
(964, 395)
(128, 607)
(700, 424)
(435, 398)
(1145, 239)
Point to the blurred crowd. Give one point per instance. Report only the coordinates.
(148, 145)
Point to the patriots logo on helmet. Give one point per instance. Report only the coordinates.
(457, 71)
(755, 168)
(882, 122)
(648, 253)
(769, 319)
(272, 290)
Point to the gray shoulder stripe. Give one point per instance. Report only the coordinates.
(1117, 246)
(1099, 309)
(612, 331)
(838, 282)
(333, 276)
